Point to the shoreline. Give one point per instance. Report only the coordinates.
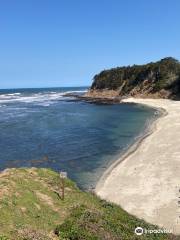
(148, 193)
(132, 148)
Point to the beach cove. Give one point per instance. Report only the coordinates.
(146, 183)
(45, 128)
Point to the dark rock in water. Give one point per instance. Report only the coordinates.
(96, 100)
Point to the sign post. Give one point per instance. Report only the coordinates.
(63, 175)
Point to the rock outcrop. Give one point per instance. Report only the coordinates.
(155, 80)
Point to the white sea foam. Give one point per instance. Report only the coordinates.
(13, 94)
(78, 91)
(41, 97)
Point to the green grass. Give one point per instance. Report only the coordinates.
(30, 209)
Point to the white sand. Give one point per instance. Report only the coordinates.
(147, 183)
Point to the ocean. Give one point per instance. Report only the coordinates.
(43, 128)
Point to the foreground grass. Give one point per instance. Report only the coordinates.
(31, 209)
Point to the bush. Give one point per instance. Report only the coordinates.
(3, 238)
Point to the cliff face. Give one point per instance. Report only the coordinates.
(156, 79)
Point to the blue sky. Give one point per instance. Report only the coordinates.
(46, 43)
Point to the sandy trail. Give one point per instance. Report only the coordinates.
(147, 182)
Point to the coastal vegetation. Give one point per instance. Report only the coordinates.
(155, 79)
(31, 208)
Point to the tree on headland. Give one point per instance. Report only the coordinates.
(149, 78)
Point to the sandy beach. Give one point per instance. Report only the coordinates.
(147, 182)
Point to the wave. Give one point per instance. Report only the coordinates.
(13, 94)
(78, 91)
(41, 97)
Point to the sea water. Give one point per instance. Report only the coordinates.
(43, 128)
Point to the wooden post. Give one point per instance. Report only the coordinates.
(63, 175)
(62, 188)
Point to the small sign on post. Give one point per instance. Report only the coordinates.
(63, 175)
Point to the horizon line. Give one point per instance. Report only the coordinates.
(13, 88)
